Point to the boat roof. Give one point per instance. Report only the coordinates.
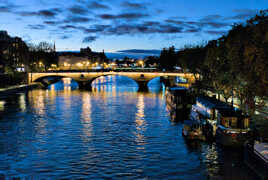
(178, 88)
(262, 149)
(213, 103)
(231, 113)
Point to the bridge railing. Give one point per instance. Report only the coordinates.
(114, 70)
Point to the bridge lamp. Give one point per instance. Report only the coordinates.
(40, 64)
(140, 63)
(79, 64)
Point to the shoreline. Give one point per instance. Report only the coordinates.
(18, 88)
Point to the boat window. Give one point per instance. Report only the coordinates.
(233, 122)
(246, 122)
(224, 122)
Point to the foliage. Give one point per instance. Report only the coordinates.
(233, 64)
(42, 56)
(151, 60)
(168, 59)
(238, 62)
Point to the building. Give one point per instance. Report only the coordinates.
(13, 51)
(85, 59)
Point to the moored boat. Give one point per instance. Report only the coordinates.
(256, 157)
(179, 102)
(192, 128)
(207, 108)
(232, 128)
(227, 124)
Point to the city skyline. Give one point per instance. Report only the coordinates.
(123, 25)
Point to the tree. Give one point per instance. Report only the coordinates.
(42, 56)
(151, 60)
(168, 59)
(247, 47)
(192, 59)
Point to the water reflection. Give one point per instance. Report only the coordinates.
(112, 132)
(86, 114)
(2, 105)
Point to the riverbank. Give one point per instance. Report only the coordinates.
(18, 88)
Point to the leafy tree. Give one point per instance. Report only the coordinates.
(42, 56)
(151, 60)
(247, 49)
(168, 59)
(192, 59)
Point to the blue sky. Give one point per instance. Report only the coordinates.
(115, 25)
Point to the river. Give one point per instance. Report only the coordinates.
(111, 132)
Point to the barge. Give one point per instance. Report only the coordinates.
(179, 102)
(224, 123)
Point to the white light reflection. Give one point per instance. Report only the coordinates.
(67, 81)
(86, 115)
(2, 105)
(22, 103)
(39, 103)
(140, 123)
(211, 159)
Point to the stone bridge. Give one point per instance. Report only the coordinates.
(84, 79)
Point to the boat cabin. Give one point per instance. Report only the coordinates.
(232, 119)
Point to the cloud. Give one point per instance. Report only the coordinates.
(192, 30)
(128, 16)
(246, 11)
(141, 51)
(96, 28)
(243, 14)
(212, 17)
(97, 5)
(215, 32)
(36, 26)
(69, 27)
(65, 37)
(204, 22)
(175, 21)
(89, 39)
(76, 19)
(132, 29)
(78, 10)
(133, 5)
(7, 8)
(215, 24)
(51, 22)
(48, 13)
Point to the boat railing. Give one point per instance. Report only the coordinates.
(233, 130)
(259, 155)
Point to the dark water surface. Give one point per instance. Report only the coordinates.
(112, 132)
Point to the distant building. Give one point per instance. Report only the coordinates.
(85, 51)
(81, 60)
(13, 50)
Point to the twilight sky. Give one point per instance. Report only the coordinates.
(115, 25)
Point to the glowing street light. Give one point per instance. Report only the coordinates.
(141, 63)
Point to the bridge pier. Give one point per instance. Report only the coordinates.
(84, 85)
(143, 86)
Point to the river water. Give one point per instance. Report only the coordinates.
(111, 132)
